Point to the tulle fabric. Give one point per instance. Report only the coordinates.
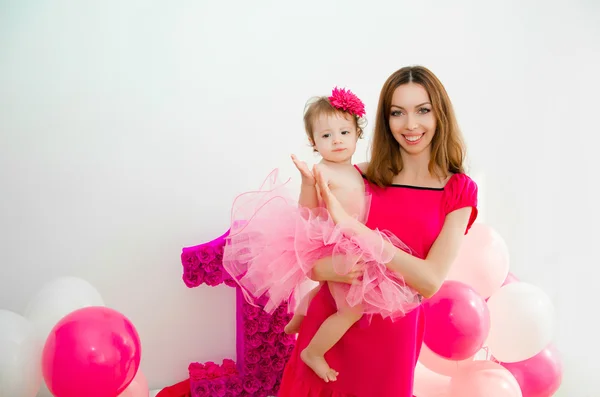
(273, 245)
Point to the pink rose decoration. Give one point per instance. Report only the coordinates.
(206, 254)
(269, 338)
(250, 311)
(202, 389)
(229, 367)
(278, 324)
(213, 266)
(197, 371)
(250, 368)
(278, 364)
(218, 388)
(265, 347)
(264, 324)
(251, 327)
(253, 356)
(253, 341)
(346, 101)
(266, 351)
(265, 365)
(213, 279)
(230, 282)
(234, 385)
(281, 351)
(213, 371)
(251, 384)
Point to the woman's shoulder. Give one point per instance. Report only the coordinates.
(362, 167)
(459, 182)
(461, 191)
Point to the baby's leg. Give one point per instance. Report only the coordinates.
(293, 327)
(330, 332)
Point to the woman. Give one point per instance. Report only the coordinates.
(419, 192)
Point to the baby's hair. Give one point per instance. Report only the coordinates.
(320, 105)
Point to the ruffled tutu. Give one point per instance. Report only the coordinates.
(273, 245)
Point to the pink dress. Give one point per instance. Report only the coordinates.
(273, 244)
(378, 359)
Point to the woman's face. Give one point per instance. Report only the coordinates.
(411, 118)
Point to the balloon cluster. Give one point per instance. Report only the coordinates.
(70, 339)
(487, 333)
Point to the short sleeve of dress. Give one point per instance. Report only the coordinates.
(461, 192)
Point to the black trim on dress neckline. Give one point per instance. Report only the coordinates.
(411, 186)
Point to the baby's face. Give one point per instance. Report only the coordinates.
(335, 137)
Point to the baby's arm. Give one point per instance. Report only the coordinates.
(309, 197)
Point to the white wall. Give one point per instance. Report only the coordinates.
(128, 127)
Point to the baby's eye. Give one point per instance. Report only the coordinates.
(325, 135)
(345, 132)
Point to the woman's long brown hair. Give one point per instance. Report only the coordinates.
(447, 146)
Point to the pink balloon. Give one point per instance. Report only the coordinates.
(540, 375)
(484, 378)
(482, 262)
(92, 352)
(457, 321)
(138, 387)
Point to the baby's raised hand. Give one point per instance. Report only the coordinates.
(307, 176)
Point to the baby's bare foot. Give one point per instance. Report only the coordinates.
(318, 364)
(293, 327)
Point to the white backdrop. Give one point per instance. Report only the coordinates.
(127, 128)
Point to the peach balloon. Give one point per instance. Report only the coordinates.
(484, 378)
(439, 364)
(138, 387)
(430, 384)
(482, 261)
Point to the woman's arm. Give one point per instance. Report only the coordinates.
(427, 275)
(424, 275)
(323, 271)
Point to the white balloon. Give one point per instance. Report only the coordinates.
(58, 298)
(521, 322)
(20, 356)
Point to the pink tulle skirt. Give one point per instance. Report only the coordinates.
(273, 245)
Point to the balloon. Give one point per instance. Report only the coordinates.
(20, 356)
(540, 375)
(522, 320)
(92, 352)
(138, 387)
(430, 384)
(482, 261)
(58, 298)
(457, 321)
(510, 278)
(441, 365)
(484, 378)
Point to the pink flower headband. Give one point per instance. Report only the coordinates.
(345, 100)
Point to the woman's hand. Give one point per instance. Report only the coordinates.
(324, 271)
